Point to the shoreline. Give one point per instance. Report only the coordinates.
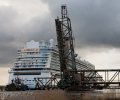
(59, 95)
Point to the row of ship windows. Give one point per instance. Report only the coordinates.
(26, 80)
(30, 63)
(78, 65)
(55, 64)
(32, 80)
(77, 61)
(18, 58)
(30, 66)
(33, 59)
(55, 59)
(29, 80)
(83, 66)
(29, 54)
(87, 63)
(55, 56)
(47, 48)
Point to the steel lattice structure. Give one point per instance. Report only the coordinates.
(65, 42)
(80, 79)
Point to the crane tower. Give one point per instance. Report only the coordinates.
(65, 43)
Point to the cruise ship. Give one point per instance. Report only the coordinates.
(39, 60)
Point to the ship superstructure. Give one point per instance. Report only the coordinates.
(39, 60)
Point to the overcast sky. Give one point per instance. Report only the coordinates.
(95, 24)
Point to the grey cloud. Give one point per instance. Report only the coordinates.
(14, 34)
(7, 14)
(39, 29)
(7, 54)
(99, 25)
(7, 27)
(94, 22)
(36, 29)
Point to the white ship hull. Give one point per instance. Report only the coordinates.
(39, 60)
